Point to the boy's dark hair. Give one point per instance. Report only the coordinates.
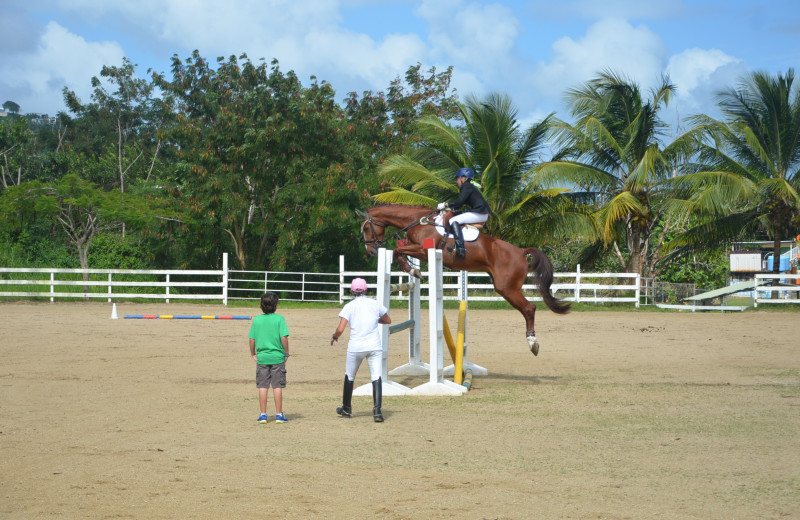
(269, 302)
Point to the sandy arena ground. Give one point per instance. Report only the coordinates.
(623, 415)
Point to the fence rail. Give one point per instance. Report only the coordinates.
(293, 286)
(785, 288)
(223, 285)
(577, 287)
(55, 283)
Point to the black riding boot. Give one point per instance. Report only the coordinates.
(377, 397)
(455, 228)
(346, 410)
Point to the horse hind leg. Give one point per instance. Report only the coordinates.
(528, 311)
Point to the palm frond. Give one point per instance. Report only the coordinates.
(405, 197)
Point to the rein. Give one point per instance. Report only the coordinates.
(422, 221)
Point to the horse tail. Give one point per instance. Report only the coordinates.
(540, 269)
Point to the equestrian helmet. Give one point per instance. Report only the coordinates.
(358, 285)
(465, 172)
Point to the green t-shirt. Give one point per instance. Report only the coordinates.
(267, 330)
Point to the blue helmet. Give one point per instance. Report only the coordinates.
(465, 172)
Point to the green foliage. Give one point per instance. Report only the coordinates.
(242, 157)
(33, 247)
(747, 177)
(111, 250)
(707, 270)
(612, 151)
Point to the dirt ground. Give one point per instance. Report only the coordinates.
(623, 415)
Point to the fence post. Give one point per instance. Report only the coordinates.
(578, 284)
(109, 287)
(638, 288)
(225, 279)
(167, 297)
(341, 279)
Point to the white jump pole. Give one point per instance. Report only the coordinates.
(415, 365)
(437, 385)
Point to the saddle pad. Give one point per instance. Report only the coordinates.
(470, 233)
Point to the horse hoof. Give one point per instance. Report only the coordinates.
(533, 344)
(416, 274)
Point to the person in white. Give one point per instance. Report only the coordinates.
(364, 315)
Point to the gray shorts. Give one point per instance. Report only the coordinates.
(271, 375)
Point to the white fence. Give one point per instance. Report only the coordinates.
(116, 284)
(293, 286)
(222, 285)
(786, 291)
(577, 287)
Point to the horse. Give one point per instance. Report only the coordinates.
(508, 265)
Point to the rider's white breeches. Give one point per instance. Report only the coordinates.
(374, 362)
(470, 218)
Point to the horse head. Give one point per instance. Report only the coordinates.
(373, 233)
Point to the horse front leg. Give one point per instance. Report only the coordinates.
(400, 258)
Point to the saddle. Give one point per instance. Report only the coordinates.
(446, 222)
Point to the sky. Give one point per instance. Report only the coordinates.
(531, 50)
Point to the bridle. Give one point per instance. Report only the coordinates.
(378, 242)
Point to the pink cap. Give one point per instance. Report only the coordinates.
(358, 285)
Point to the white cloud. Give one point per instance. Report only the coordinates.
(636, 52)
(34, 79)
(592, 9)
(478, 40)
(698, 74)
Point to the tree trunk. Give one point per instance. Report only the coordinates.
(776, 261)
(83, 255)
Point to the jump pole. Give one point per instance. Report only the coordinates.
(472, 368)
(415, 365)
(385, 289)
(437, 385)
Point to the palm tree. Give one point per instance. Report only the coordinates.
(612, 156)
(747, 181)
(490, 142)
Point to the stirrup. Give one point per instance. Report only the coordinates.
(454, 251)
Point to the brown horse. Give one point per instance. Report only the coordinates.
(507, 264)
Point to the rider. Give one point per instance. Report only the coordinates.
(468, 196)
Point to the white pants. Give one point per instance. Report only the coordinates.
(374, 362)
(470, 218)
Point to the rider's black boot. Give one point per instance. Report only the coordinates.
(346, 410)
(455, 228)
(377, 397)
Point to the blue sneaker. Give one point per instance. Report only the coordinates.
(280, 418)
(262, 418)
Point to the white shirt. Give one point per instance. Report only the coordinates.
(362, 314)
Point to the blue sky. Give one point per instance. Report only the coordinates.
(532, 50)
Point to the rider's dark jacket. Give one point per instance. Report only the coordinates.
(470, 196)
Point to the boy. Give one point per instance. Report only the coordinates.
(269, 346)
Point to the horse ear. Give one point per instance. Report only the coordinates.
(361, 214)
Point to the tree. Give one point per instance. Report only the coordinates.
(490, 142)
(261, 156)
(612, 156)
(11, 107)
(17, 151)
(747, 178)
(121, 125)
(77, 206)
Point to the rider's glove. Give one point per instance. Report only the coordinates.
(441, 205)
